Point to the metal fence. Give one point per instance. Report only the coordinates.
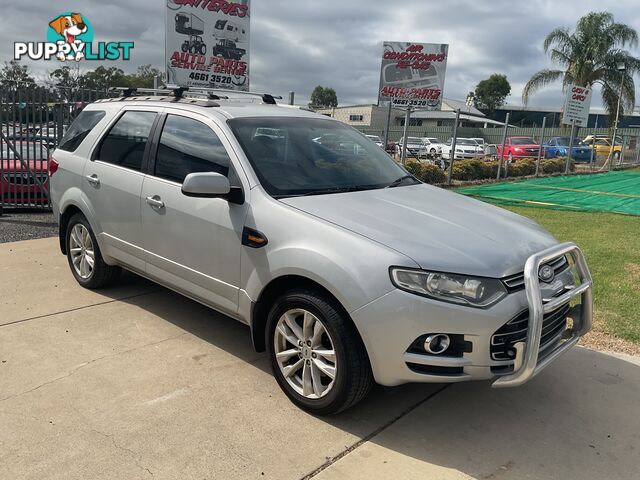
(626, 152)
(32, 122)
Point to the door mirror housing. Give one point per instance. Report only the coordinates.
(206, 185)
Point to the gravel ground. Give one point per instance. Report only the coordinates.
(23, 224)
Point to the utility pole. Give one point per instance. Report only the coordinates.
(452, 155)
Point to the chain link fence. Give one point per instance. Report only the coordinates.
(625, 153)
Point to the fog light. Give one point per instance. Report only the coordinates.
(437, 343)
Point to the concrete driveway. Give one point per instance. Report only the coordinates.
(139, 382)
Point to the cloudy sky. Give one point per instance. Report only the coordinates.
(297, 44)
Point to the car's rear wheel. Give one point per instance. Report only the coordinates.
(316, 354)
(85, 259)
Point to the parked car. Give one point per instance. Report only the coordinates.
(24, 182)
(519, 147)
(413, 146)
(559, 147)
(431, 147)
(465, 148)
(589, 138)
(480, 141)
(346, 269)
(375, 139)
(603, 146)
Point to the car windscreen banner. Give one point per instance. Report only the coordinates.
(207, 43)
(412, 74)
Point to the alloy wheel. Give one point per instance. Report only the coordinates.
(82, 251)
(305, 353)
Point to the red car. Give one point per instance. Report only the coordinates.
(22, 182)
(519, 147)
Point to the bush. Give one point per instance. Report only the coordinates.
(426, 172)
(414, 168)
(555, 165)
(432, 174)
(522, 168)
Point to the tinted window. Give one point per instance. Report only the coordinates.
(313, 156)
(79, 129)
(188, 146)
(522, 141)
(125, 143)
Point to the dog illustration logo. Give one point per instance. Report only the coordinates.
(70, 26)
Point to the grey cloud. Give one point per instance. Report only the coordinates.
(296, 45)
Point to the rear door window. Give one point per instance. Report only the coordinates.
(79, 129)
(187, 146)
(125, 143)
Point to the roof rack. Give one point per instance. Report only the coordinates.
(266, 97)
(175, 90)
(178, 92)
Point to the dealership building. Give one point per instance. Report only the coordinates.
(374, 116)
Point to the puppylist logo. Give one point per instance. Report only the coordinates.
(70, 37)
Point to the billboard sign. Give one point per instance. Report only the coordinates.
(577, 105)
(207, 43)
(412, 74)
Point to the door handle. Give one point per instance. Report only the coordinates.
(155, 202)
(93, 180)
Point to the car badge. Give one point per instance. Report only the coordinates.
(546, 273)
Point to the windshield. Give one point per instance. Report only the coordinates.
(432, 140)
(522, 141)
(412, 140)
(465, 141)
(313, 156)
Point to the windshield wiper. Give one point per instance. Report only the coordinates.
(398, 181)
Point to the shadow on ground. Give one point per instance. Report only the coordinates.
(578, 419)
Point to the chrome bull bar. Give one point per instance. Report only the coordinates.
(526, 365)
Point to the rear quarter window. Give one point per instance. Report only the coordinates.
(79, 129)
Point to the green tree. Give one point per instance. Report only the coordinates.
(323, 97)
(13, 75)
(104, 78)
(143, 78)
(67, 80)
(492, 92)
(589, 56)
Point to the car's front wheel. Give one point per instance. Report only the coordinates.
(316, 354)
(83, 254)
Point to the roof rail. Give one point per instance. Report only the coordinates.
(175, 90)
(178, 92)
(266, 97)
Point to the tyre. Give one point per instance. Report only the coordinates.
(83, 254)
(184, 47)
(202, 49)
(316, 353)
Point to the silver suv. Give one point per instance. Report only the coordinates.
(347, 270)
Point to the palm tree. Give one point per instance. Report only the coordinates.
(589, 56)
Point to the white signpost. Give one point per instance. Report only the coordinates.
(576, 106)
(207, 43)
(576, 113)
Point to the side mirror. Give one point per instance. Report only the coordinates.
(206, 185)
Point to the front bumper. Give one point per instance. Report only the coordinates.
(390, 324)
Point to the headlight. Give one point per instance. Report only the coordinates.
(459, 150)
(517, 150)
(449, 287)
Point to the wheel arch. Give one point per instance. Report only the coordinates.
(275, 288)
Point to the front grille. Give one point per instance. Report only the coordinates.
(513, 283)
(515, 330)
